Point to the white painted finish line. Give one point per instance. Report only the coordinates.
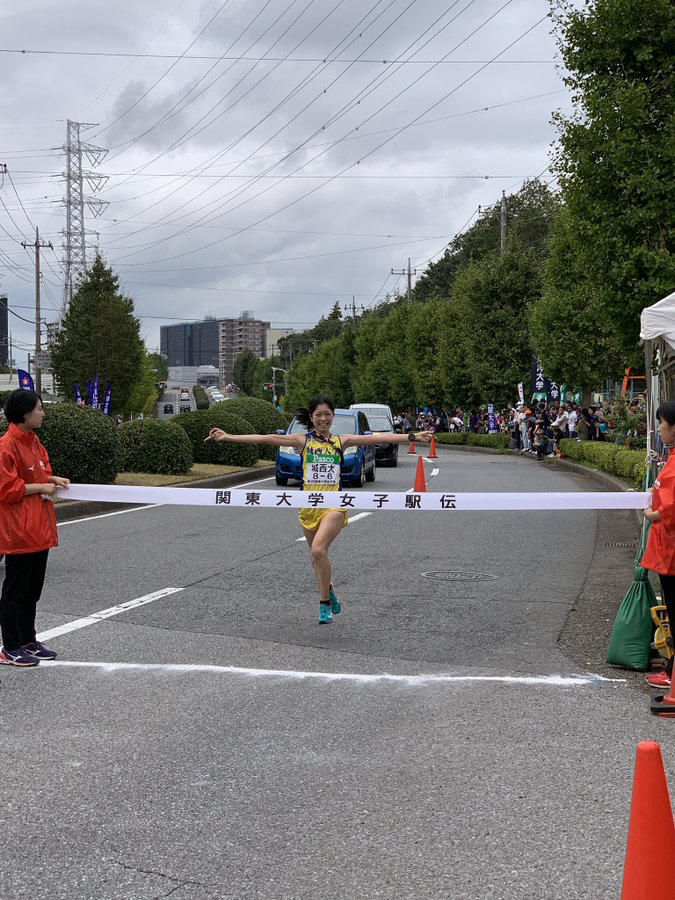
(299, 675)
(94, 618)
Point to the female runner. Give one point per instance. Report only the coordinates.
(322, 454)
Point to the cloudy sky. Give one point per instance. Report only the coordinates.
(272, 155)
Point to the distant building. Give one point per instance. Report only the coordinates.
(237, 335)
(187, 376)
(274, 335)
(4, 331)
(190, 343)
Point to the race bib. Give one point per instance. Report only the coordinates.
(323, 468)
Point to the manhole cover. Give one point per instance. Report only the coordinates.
(458, 576)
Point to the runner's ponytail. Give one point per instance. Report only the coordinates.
(303, 416)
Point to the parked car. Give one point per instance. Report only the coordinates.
(185, 407)
(168, 409)
(359, 462)
(184, 394)
(386, 454)
(375, 409)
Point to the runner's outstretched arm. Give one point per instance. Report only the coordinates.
(275, 440)
(386, 437)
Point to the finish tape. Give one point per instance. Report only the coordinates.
(346, 500)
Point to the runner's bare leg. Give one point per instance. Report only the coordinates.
(319, 542)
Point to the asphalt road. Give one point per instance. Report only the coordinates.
(198, 781)
(172, 396)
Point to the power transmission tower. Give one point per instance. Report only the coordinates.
(75, 201)
(409, 272)
(38, 313)
(502, 242)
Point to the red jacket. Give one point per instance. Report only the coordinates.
(27, 524)
(660, 553)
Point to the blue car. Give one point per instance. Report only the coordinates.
(359, 462)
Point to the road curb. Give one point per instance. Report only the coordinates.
(67, 510)
(609, 482)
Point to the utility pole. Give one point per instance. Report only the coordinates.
(353, 309)
(502, 244)
(409, 272)
(38, 344)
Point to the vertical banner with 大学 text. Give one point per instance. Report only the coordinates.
(492, 420)
(94, 393)
(540, 385)
(25, 380)
(108, 399)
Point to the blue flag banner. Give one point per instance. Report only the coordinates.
(492, 420)
(78, 394)
(25, 380)
(108, 398)
(94, 393)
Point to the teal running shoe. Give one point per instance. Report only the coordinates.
(334, 602)
(325, 615)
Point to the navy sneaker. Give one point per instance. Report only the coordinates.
(39, 651)
(17, 658)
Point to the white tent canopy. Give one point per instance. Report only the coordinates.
(658, 321)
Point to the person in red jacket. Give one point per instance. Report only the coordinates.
(660, 553)
(27, 528)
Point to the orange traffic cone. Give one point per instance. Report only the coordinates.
(411, 448)
(432, 452)
(649, 869)
(420, 477)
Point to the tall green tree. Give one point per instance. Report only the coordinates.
(99, 334)
(530, 214)
(244, 370)
(159, 365)
(492, 300)
(615, 157)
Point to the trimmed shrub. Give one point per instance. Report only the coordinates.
(226, 453)
(493, 441)
(83, 443)
(262, 415)
(155, 446)
(631, 465)
(201, 397)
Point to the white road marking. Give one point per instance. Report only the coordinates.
(121, 512)
(413, 680)
(351, 519)
(94, 618)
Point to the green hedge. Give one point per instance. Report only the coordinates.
(228, 453)
(83, 443)
(494, 441)
(262, 415)
(155, 446)
(201, 397)
(631, 465)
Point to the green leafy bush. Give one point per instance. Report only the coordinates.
(201, 397)
(631, 465)
(228, 453)
(262, 415)
(494, 441)
(155, 446)
(83, 443)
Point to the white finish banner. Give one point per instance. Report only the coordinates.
(352, 500)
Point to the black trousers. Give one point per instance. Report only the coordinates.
(668, 596)
(21, 589)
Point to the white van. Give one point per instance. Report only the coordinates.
(375, 409)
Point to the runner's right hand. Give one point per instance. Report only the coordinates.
(216, 434)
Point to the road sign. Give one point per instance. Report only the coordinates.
(43, 359)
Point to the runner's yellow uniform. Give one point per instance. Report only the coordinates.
(321, 461)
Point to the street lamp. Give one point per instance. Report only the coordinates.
(276, 369)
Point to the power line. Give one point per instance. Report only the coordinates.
(296, 59)
(370, 152)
